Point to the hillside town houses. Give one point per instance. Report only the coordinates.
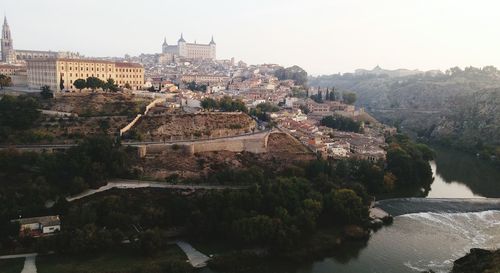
(185, 74)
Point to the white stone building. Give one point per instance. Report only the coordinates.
(191, 50)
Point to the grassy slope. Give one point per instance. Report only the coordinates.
(123, 262)
(11, 265)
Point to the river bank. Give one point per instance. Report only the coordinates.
(478, 261)
(324, 243)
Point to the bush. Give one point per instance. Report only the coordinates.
(341, 123)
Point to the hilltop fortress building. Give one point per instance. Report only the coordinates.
(11, 56)
(190, 50)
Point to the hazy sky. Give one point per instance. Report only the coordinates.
(322, 36)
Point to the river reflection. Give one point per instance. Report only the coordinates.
(461, 175)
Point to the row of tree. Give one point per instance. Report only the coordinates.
(193, 86)
(262, 110)
(224, 104)
(347, 97)
(94, 83)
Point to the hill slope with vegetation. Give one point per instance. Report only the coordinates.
(458, 107)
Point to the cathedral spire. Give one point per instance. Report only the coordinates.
(8, 55)
(212, 41)
(182, 39)
(165, 41)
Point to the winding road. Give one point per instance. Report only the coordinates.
(136, 184)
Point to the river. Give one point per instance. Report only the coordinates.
(430, 240)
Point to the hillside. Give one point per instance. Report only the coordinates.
(97, 104)
(283, 150)
(200, 125)
(459, 107)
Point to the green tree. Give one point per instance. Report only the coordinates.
(346, 207)
(151, 241)
(226, 104)
(332, 95)
(127, 86)
(46, 92)
(193, 86)
(80, 84)
(349, 97)
(260, 229)
(295, 73)
(262, 109)
(341, 123)
(94, 83)
(18, 112)
(111, 85)
(5, 81)
(61, 84)
(209, 104)
(408, 161)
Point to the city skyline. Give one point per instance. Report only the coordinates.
(323, 37)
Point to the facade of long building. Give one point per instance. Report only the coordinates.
(51, 71)
(205, 79)
(191, 50)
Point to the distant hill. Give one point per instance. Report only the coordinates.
(460, 107)
(391, 73)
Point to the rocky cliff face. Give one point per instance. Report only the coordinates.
(478, 261)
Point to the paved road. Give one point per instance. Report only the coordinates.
(196, 258)
(29, 265)
(136, 184)
(18, 256)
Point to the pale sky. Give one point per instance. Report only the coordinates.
(322, 36)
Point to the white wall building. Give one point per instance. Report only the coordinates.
(191, 50)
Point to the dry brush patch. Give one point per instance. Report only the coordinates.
(200, 125)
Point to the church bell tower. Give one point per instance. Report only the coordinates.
(8, 55)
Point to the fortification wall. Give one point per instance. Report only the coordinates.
(251, 144)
